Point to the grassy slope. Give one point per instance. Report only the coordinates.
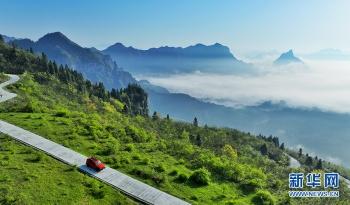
(148, 150)
(29, 177)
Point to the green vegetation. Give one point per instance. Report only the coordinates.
(3, 78)
(203, 165)
(28, 176)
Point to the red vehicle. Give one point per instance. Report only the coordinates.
(95, 164)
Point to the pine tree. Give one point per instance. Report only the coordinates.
(167, 117)
(275, 140)
(308, 161)
(155, 116)
(300, 152)
(1, 39)
(198, 140)
(319, 164)
(114, 93)
(263, 149)
(282, 146)
(195, 122)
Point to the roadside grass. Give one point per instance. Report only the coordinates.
(144, 161)
(3, 78)
(28, 176)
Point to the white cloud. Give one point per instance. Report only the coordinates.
(322, 84)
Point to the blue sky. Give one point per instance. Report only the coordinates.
(240, 24)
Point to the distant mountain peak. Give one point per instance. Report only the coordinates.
(55, 35)
(286, 58)
(118, 44)
(55, 38)
(290, 52)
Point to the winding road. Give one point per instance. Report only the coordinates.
(128, 185)
(293, 163)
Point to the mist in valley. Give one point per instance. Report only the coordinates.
(306, 105)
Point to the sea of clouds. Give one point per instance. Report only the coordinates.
(322, 84)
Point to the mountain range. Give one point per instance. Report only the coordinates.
(329, 54)
(7, 39)
(94, 65)
(214, 58)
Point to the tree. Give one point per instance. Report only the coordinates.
(263, 149)
(198, 140)
(276, 141)
(1, 39)
(114, 93)
(282, 146)
(308, 161)
(300, 152)
(195, 122)
(185, 135)
(155, 116)
(200, 177)
(167, 117)
(229, 151)
(319, 164)
(263, 197)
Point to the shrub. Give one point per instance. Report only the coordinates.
(36, 158)
(110, 149)
(181, 161)
(251, 184)
(235, 202)
(194, 198)
(137, 134)
(173, 173)
(185, 135)
(162, 146)
(263, 197)
(143, 173)
(98, 192)
(182, 178)
(145, 161)
(136, 157)
(95, 190)
(125, 160)
(158, 179)
(229, 151)
(61, 113)
(129, 147)
(159, 168)
(200, 177)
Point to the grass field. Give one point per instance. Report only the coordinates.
(144, 161)
(28, 176)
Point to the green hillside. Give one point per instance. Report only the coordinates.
(200, 164)
(28, 176)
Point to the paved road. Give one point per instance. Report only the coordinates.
(293, 162)
(4, 95)
(132, 187)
